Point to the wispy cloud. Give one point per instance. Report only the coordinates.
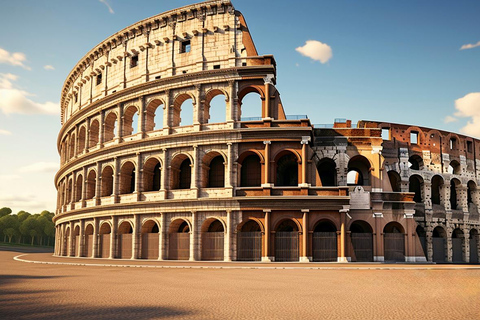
(13, 100)
(13, 59)
(48, 67)
(108, 6)
(469, 107)
(450, 119)
(40, 167)
(316, 50)
(9, 177)
(5, 132)
(470, 46)
(25, 202)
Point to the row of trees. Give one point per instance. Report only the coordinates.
(27, 228)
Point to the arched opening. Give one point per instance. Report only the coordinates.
(213, 239)
(437, 183)
(327, 171)
(89, 241)
(81, 140)
(457, 245)
(362, 241)
(287, 169)
(422, 237)
(127, 178)
(154, 116)
(71, 149)
(251, 105)
(358, 171)
(216, 173)
(249, 242)
(454, 203)
(130, 121)
(179, 240)
(394, 242)
(215, 107)
(251, 171)
(107, 182)
(473, 246)
(69, 191)
(93, 134)
(439, 243)
(125, 233)
(415, 162)
(471, 188)
(152, 175)
(183, 111)
(454, 167)
(286, 241)
(181, 172)
(324, 242)
(76, 242)
(78, 188)
(110, 126)
(395, 180)
(415, 184)
(104, 235)
(67, 250)
(150, 240)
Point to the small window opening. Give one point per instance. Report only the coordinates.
(185, 46)
(386, 133)
(244, 64)
(184, 71)
(157, 77)
(134, 61)
(217, 66)
(99, 79)
(413, 137)
(469, 146)
(453, 144)
(75, 95)
(114, 91)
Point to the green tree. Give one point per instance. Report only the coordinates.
(10, 222)
(29, 227)
(10, 232)
(5, 211)
(49, 231)
(23, 215)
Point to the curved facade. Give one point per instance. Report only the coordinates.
(164, 157)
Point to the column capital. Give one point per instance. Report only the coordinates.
(267, 142)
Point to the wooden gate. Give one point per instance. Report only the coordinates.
(249, 246)
(179, 246)
(324, 246)
(457, 248)
(212, 245)
(89, 245)
(125, 246)
(286, 246)
(105, 245)
(150, 245)
(473, 250)
(362, 246)
(394, 247)
(438, 249)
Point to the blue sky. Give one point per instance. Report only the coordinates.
(396, 61)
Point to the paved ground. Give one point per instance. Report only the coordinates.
(57, 291)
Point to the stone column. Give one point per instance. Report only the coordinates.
(116, 179)
(429, 239)
(409, 236)
(81, 250)
(135, 237)
(342, 257)
(71, 244)
(162, 252)
(84, 188)
(98, 184)
(267, 255)
(230, 112)
(466, 245)
(378, 238)
(87, 135)
(303, 180)
(113, 238)
(198, 106)
(141, 117)
(195, 171)
(193, 236)
(228, 238)
(120, 123)
(167, 107)
(266, 173)
(165, 173)
(229, 167)
(139, 177)
(101, 129)
(304, 257)
(95, 252)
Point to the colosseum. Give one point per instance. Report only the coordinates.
(175, 145)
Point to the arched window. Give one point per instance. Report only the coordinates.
(183, 111)
(415, 184)
(358, 171)
(437, 183)
(185, 175)
(154, 116)
(415, 162)
(91, 181)
(107, 182)
(454, 203)
(328, 172)
(215, 107)
(69, 192)
(81, 140)
(216, 173)
(152, 175)
(395, 180)
(251, 106)
(93, 136)
(127, 178)
(251, 171)
(79, 188)
(71, 149)
(110, 126)
(287, 170)
(130, 121)
(454, 167)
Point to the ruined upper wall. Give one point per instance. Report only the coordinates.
(204, 36)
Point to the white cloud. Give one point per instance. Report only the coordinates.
(449, 119)
(469, 107)
(14, 100)
(40, 167)
(470, 46)
(48, 67)
(9, 177)
(108, 6)
(5, 132)
(316, 50)
(28, 202)
(13, 59)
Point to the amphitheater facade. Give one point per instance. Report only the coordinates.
(151, 168)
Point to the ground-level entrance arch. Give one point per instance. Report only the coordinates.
(286, 241)
(249, 242)
(179, 240)
(324, 242)
(394, 242)
(362, 241)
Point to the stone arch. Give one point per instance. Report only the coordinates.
(78, 188)
(179, 233)
(76, 241)
(455, 184)
(68, 198)
(287, 232)
(251, 112)
(107, 181)
(91, 184)
(420, 136)
(71, 146)
(219, 113)
(415, 162)
(110, 125)
(415, 184)
(362, 241)
(250, 163)
(473, 244)
(93, 133)
(154, 116)
(439, 244)
(471, 197)
(178, 104)
(150, 233)
(327, 170)
(127, 177)
(458, 245)
(152, 174)
(454, 167)
(150, 226)
(395, 180)
(250, 240)
(241, 227)
(394, 242)
(125, 234)
(288, 224)
(81, 139)
(287, 168)
(104, 244)
(213, 170)
(130, 117)
(67, 239)
(324, 241)
(181, 171)
(213, 238)
(437, 183)
(359, 169)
